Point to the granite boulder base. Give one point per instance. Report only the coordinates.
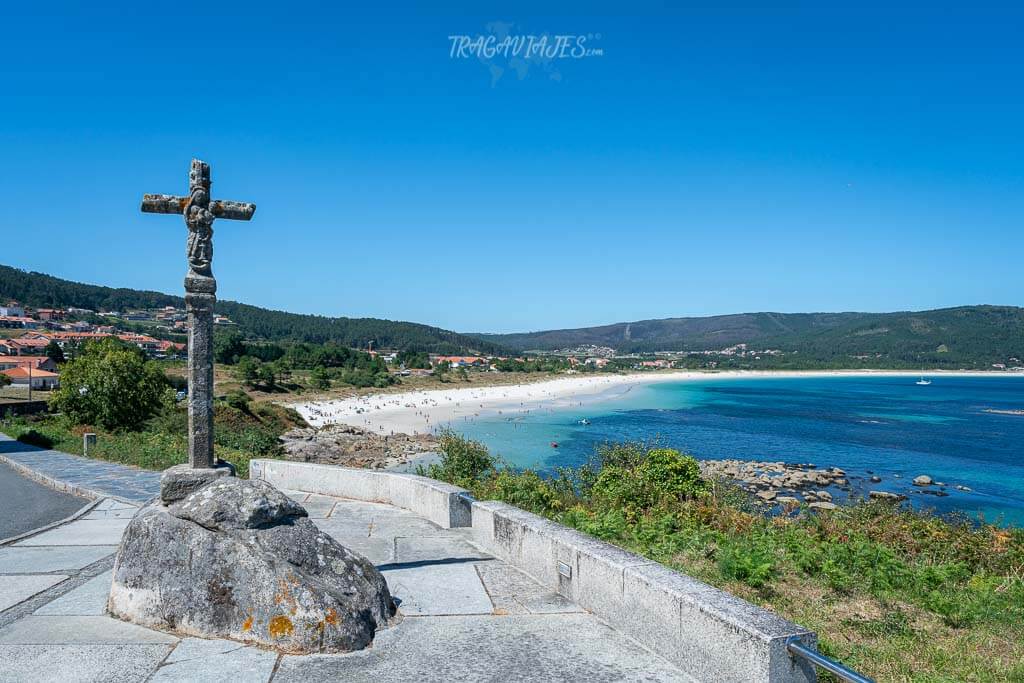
(238, 559)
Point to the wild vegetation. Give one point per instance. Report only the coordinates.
(897, 594)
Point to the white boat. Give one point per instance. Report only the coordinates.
(923, 382)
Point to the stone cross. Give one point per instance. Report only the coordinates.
(200, 295)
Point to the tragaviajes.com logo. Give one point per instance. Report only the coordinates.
(524, 46)
(504, 48)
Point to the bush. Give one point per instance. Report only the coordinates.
(110, 385)
(463, 462)
(638, 481)
(35, 438)
(238, 399)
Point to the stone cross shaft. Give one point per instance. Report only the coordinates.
(200, 295)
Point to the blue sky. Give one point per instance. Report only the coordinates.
(710, 161)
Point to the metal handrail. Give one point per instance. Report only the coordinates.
(797, 648)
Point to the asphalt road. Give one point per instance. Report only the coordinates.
(26, 505)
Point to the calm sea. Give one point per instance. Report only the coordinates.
(884, 426)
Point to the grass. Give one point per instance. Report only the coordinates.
(242, 431)
(896, 594)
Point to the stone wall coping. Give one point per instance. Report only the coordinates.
(444, 504)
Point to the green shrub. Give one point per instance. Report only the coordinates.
(35, 438)
(638, 481)
(238, 399)
(751, 564)
(463, 462)
(110, 385)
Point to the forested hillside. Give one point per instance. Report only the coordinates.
(40, 290)
(969, 336)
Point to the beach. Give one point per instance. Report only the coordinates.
(423, 412)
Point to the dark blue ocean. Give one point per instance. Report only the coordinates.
(886, 426)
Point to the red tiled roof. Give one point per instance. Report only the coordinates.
(23, 372)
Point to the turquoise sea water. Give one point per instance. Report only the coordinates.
(887, 426)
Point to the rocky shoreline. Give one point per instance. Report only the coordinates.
(355, 447)
(780, 483)
(770, 483)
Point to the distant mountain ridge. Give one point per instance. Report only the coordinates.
(41, 290)
(976, 335)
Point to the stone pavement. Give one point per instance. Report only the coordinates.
(465, 615)
(78, 475)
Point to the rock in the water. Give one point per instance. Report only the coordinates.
(875, 478)
(922, 480)
(885, 495)
(238, 559)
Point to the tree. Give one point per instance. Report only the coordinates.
(54, 352)
(247, 370)
(319, 379)
(110, 385)
(4, 380)
(228, 347)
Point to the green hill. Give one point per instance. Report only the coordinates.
(966, 336)
(40, 290)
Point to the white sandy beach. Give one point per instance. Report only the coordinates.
(420, 412)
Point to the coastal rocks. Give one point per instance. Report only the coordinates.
(766, 480)
(822, 505)
(355, 447)
(238, 559)
(923, 480)
(886, 496)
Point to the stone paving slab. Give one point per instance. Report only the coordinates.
(58, 630)
(319, 506)
(104, 478)
(434, 549)
(17, 588)
(513, 592)
(79, 663)
(512, 649)
(89, 599)
(29, 560)
(439, 589)
(80, 532)
(120, 513)
(216, 661)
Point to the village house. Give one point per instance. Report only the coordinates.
(23, 346)
(50, 314)
(13, 321)
(42, 380)
(40, 362)
(461, 361)
(12, 310)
